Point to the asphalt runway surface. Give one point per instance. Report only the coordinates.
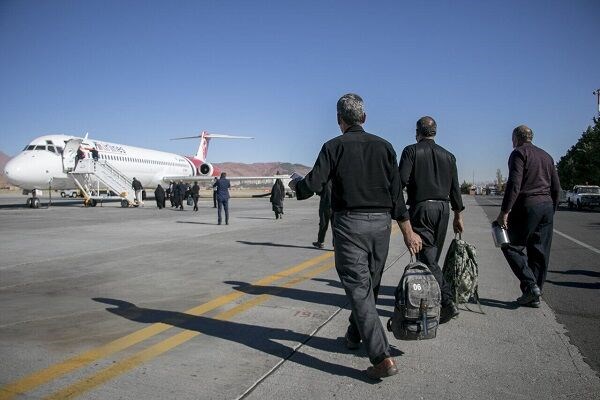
(113, 303)
(572, 287)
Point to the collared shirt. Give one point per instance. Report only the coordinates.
(363, 171)
(532, 178)
(428, 171)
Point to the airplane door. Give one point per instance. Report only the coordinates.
(69, 154)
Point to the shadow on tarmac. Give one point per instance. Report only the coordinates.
(576, 272)
(257, 337)
(196, 223)
(279, 245)
(330, 299)
(507, 305)
(273, 218)
(578, 285)
(583, 272)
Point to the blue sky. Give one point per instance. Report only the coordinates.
(141, 72)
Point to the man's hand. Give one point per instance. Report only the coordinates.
(413, 241)
(502, 219)
(458, 223)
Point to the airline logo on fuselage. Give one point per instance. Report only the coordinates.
(109, 148)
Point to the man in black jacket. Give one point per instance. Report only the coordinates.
(530, 199)
(195, 195)
(428, 171)
(365, 197)
(137, 188)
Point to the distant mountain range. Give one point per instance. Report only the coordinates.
(231, 168)
(3, 160)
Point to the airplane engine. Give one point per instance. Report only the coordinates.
(206, 169)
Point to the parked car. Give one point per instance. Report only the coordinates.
(584, 196)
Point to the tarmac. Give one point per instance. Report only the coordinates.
(111, 303)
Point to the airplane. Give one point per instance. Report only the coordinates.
(50, 162)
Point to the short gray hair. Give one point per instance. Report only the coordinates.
(350, 109)
(523, 133)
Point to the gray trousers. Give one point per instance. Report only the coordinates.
(361, 242)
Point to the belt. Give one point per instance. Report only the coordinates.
(362, 213)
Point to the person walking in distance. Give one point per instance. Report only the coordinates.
(365, 197)
(530, 199)
(137, 188)
(215, 193)
(195, 195)
(324, 214)
(159, 196)
(428, 171)
(277, 197)
(222, 185)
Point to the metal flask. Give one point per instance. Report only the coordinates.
(500, 235)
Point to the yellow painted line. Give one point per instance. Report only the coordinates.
(125, 365)
(52, 372)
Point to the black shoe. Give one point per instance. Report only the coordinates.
(318, 245)
(350, 344)
(448, 312)
(352, 339)
(531, 297)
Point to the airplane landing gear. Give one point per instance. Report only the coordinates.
(33, 201)
(90, 203)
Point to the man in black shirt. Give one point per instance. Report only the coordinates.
(428, 171)
(365, 196)
(530, 199)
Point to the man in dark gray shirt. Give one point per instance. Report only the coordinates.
(365, 197)
(530, 199)
(428, 171)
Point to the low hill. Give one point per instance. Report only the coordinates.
(261, 169)
(3, 160)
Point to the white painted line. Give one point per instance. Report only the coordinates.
(587, 246)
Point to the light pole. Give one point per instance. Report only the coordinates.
(597, 93)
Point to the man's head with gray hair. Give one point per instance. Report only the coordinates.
(350, 109)
(522, 134)
(426, 127)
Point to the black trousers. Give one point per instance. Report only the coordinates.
(429, 219)
(324, 217)
(195, 198)
(530, 230)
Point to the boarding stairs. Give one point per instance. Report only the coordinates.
(89, 173)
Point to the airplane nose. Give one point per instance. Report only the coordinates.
(15, 171)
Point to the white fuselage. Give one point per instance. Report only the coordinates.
(40, 164)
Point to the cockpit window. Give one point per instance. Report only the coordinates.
(59, 149)
(30, 147)
(40, 147)
(51, 148)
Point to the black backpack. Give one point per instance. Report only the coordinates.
(418, 302)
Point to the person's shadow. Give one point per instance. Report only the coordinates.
(261, 338)
(330, 299)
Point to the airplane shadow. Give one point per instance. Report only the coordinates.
(43, 205)
(279, 245)
(261, 338)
